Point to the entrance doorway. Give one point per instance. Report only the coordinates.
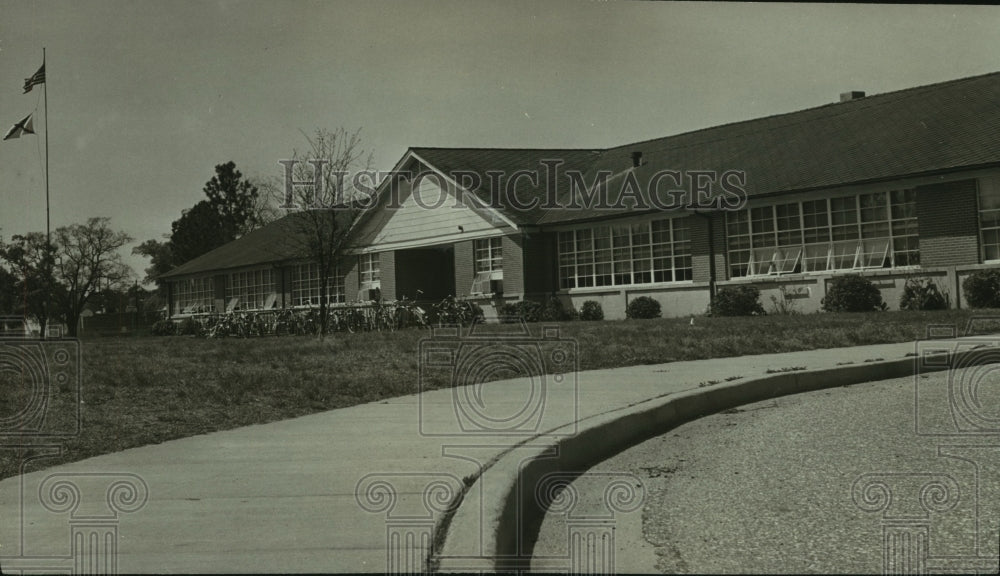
(431, 271)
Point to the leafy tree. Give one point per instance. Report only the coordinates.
(233, 206)
(8, 292)
(234, 199)
(32, 259)
(87, 257)
(197, 231)
(161, 259)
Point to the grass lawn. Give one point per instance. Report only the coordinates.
(146, 390)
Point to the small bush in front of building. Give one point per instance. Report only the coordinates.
(642, 308)
(591, 310)
(526, 310)
(852, 293)
(554, 311)
(922, 294)
(163, 328)
(982, 289)
(189, 327)
(531, 311)
(737, 301)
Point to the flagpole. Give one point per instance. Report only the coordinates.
(48, 225)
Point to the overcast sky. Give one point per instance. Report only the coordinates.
(145, 98)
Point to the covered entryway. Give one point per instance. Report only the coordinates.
(430, 270)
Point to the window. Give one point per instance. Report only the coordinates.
(371, 277)
(624, 254)
(903, 222)
(738, 234)
(306, 286)
(194, 295)
(487, 265)
(989, 218)
(876, 230)
(815, 235)
(251, 290)
(489, 255)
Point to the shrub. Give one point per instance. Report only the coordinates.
(643, 307)
(591, 310)
(531, 311)
(852, 293)
(982, 289)
(454, 311)
(189, 327)
(527, 310)
(922, 294)
(553, 311)
(163, 328)
(737, 301)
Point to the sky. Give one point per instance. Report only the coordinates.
(146, 97)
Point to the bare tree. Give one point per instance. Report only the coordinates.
(323, 188)
(87, 259)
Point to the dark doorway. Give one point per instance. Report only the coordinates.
(429, 270)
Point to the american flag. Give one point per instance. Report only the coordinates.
(37, 78)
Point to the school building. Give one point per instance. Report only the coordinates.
(892, 186)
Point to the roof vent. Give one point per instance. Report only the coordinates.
(636, 159)
(852, 95)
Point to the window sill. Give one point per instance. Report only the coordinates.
(813, 274)
(620, 287)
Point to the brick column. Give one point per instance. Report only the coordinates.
(387, 268)
(464, 267)
(719, 246)
(701, 247)
(513, 264)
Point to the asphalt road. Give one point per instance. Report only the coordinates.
(810, 483)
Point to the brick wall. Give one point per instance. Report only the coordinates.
(700, 248)
(719, 244)
(463, 268)
(513, 264)
(387, 270)
(948, 220)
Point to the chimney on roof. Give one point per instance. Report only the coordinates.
(852, 95)
(636, 159)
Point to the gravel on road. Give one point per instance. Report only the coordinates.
(811, 483)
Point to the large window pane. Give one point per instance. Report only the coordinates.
(624, 254)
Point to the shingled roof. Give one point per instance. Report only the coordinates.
(929, 129)
(939, 127)
(279, 242)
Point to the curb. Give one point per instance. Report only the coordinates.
(512, 515)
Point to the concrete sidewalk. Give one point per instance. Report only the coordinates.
(356, 489)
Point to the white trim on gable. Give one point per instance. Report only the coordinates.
(467, 193)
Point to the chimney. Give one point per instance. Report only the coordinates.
(636, 159)
(852, 95)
